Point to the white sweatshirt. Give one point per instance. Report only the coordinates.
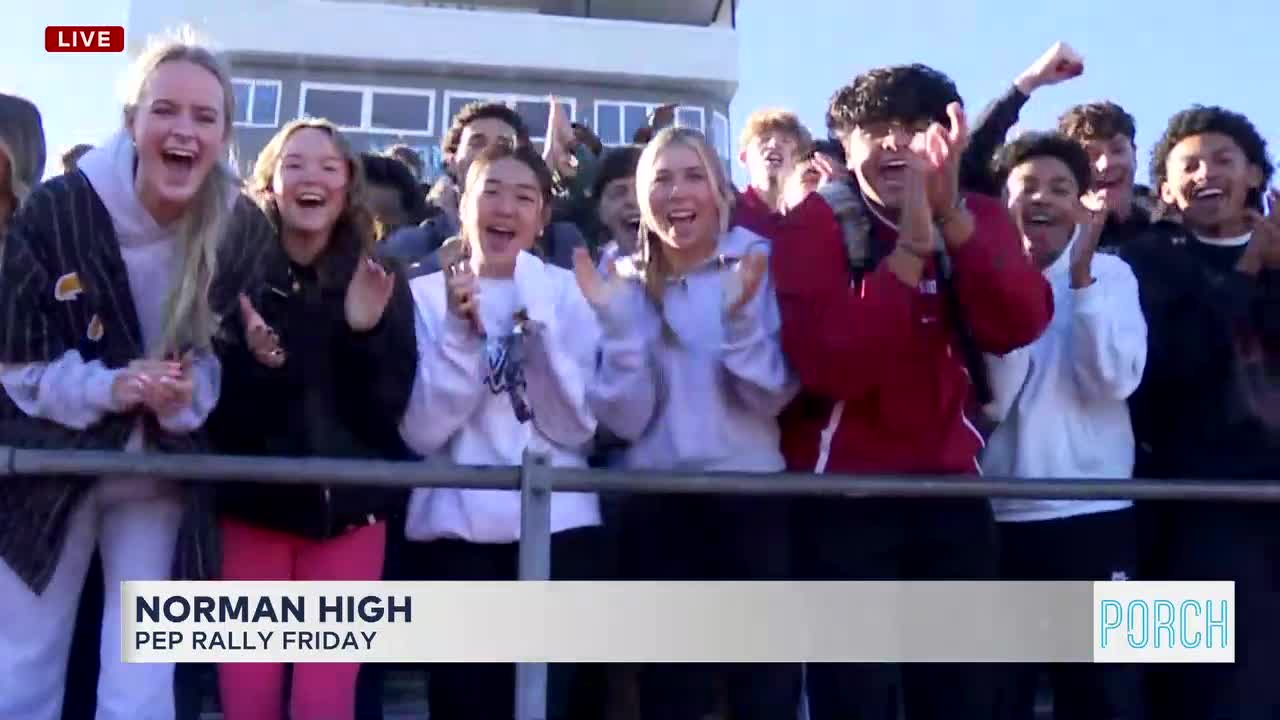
(459, 413)
(710, 399)
(77, 394)
(1061, 401)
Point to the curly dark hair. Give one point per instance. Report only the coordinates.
(478, 111)
(902, 93)
(1097, 121)
(620, 162)
(1032, 145)
(828, 147)
(1200, 119)
(394, 173)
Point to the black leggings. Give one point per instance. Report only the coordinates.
(891, 539)
(486, 691)
(699, 537)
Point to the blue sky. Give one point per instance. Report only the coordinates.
(1152, 56)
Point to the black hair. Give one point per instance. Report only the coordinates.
(478, 111)
(831, 148)
(409, 157)
(617, 163)
(1199, 120)
(1043, 144)
(585, 135)
(392, 172)
(526, 155)
(1097, 121)
(901, 93)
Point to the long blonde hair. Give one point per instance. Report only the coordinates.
(654, 266)
(189, 321)
(353, 234)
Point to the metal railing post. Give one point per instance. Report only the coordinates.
(535, 564)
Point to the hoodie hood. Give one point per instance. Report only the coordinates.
(109, 168)
(22, 140)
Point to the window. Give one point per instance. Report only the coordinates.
(532, 109)
(720, 135)
(378, 110)
(691, 117)
(257, 102)
(618, 121)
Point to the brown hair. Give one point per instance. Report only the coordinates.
(775, 120)
(654, 267)
(1097, 121)
(72, 156)
(353, 233)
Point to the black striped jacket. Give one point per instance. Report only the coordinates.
(64, 286)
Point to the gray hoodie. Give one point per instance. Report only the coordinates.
(708, 398)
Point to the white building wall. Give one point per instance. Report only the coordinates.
(476, 41)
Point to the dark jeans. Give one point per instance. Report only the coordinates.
(1099, 546)
(486, 691)
(699, 537)
(892, 539)
(80, 697)
(1222, 541)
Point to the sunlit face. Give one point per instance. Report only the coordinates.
(1208, 178)
(502, 214)
(310, 189)
(476, 136)
(1113, 168)
(1044, 200)
(682, 199)
(620, 211)
(180, 130)
(804, 180)
(770, 157)
(877, 154)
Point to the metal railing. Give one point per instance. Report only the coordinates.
(536, 480)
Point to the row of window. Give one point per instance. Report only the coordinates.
(411, 112)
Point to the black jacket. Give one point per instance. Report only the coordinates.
(64, 230)
(989, 133)
(1208, 403)
(340, 394)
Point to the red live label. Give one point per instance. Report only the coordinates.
(84, 38)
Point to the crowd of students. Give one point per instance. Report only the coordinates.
(910, 296)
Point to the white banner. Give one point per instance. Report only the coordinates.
(425, 622)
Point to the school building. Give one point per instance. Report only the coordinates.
(397, 71)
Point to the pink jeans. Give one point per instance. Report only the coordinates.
(321, 691)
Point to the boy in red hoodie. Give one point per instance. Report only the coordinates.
(891, 286)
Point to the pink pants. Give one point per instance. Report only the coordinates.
(321, 691)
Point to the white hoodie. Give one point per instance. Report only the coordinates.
(709, 400)
(77, 394)
(461, 413)
(1062, 401)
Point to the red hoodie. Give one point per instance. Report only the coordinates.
(885, 387)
